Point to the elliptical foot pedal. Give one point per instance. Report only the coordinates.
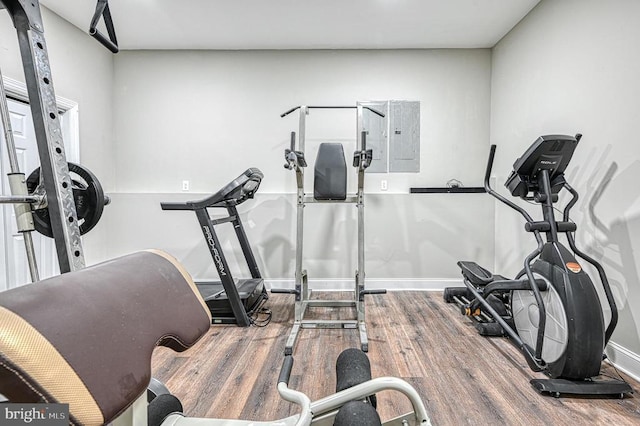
(557, 387)
(476, 274)
(451, 292)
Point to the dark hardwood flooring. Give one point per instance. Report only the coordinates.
(462, 377)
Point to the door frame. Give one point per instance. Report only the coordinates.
(69, 123)
(68, 116)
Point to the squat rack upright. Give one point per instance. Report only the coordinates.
(295, 159)
(54, 169)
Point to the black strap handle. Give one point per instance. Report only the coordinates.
(102, 9)
(284, 114)
(285, 372)
(375, 111)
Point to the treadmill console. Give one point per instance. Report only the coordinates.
(551, 153)
(241, 188)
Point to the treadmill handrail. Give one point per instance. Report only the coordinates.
(251, 174)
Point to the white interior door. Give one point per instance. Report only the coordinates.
(14, 259)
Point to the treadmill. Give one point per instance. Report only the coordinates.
(231, 301)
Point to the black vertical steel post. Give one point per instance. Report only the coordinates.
(222, 267)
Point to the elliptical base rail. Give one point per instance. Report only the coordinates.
(558, 387)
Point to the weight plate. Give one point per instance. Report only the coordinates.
(87, 194)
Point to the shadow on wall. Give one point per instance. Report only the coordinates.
(274, 252)
(194, 252)
(199, 262)
(424, 236)
(615, 196)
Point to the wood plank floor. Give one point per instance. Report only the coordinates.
(463, 378)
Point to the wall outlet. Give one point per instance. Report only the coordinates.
(185, 185)
(384, 185)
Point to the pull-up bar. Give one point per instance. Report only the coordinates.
(284, 114)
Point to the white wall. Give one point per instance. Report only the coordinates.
(82, 71)
(572, 66)
(201, 115)
(206, 116)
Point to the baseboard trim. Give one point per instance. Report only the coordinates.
(623, 359)
(336, 284)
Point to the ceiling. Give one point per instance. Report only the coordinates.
(302, 24)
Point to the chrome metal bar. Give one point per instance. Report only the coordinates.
(8, 131)
(373, 386)
(31, 257)
(351, 199)
(318, 323)
(360, 273)
(304, 111)
(15, 199)
(22, 208)
(318, 303)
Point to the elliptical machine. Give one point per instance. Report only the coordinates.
(551, 310)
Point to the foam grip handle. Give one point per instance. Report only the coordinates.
(352, 368)
(284, 290)
(161, 407)
(285, 371)
(357, 413)
(374, 291)
(293, 141)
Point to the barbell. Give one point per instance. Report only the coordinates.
(88, 196)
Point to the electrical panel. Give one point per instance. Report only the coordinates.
(395, 139)
(404, 136)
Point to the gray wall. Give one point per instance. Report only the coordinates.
(572, 66)
(83, 72)
(206, 116)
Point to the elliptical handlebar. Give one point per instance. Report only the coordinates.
(487, 173)
(601, 273)
(487, 187)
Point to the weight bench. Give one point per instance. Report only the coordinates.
(85, 338)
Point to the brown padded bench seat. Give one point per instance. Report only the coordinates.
(85, 338)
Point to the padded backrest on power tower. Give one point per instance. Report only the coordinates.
(85, 338)
(330, 174)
